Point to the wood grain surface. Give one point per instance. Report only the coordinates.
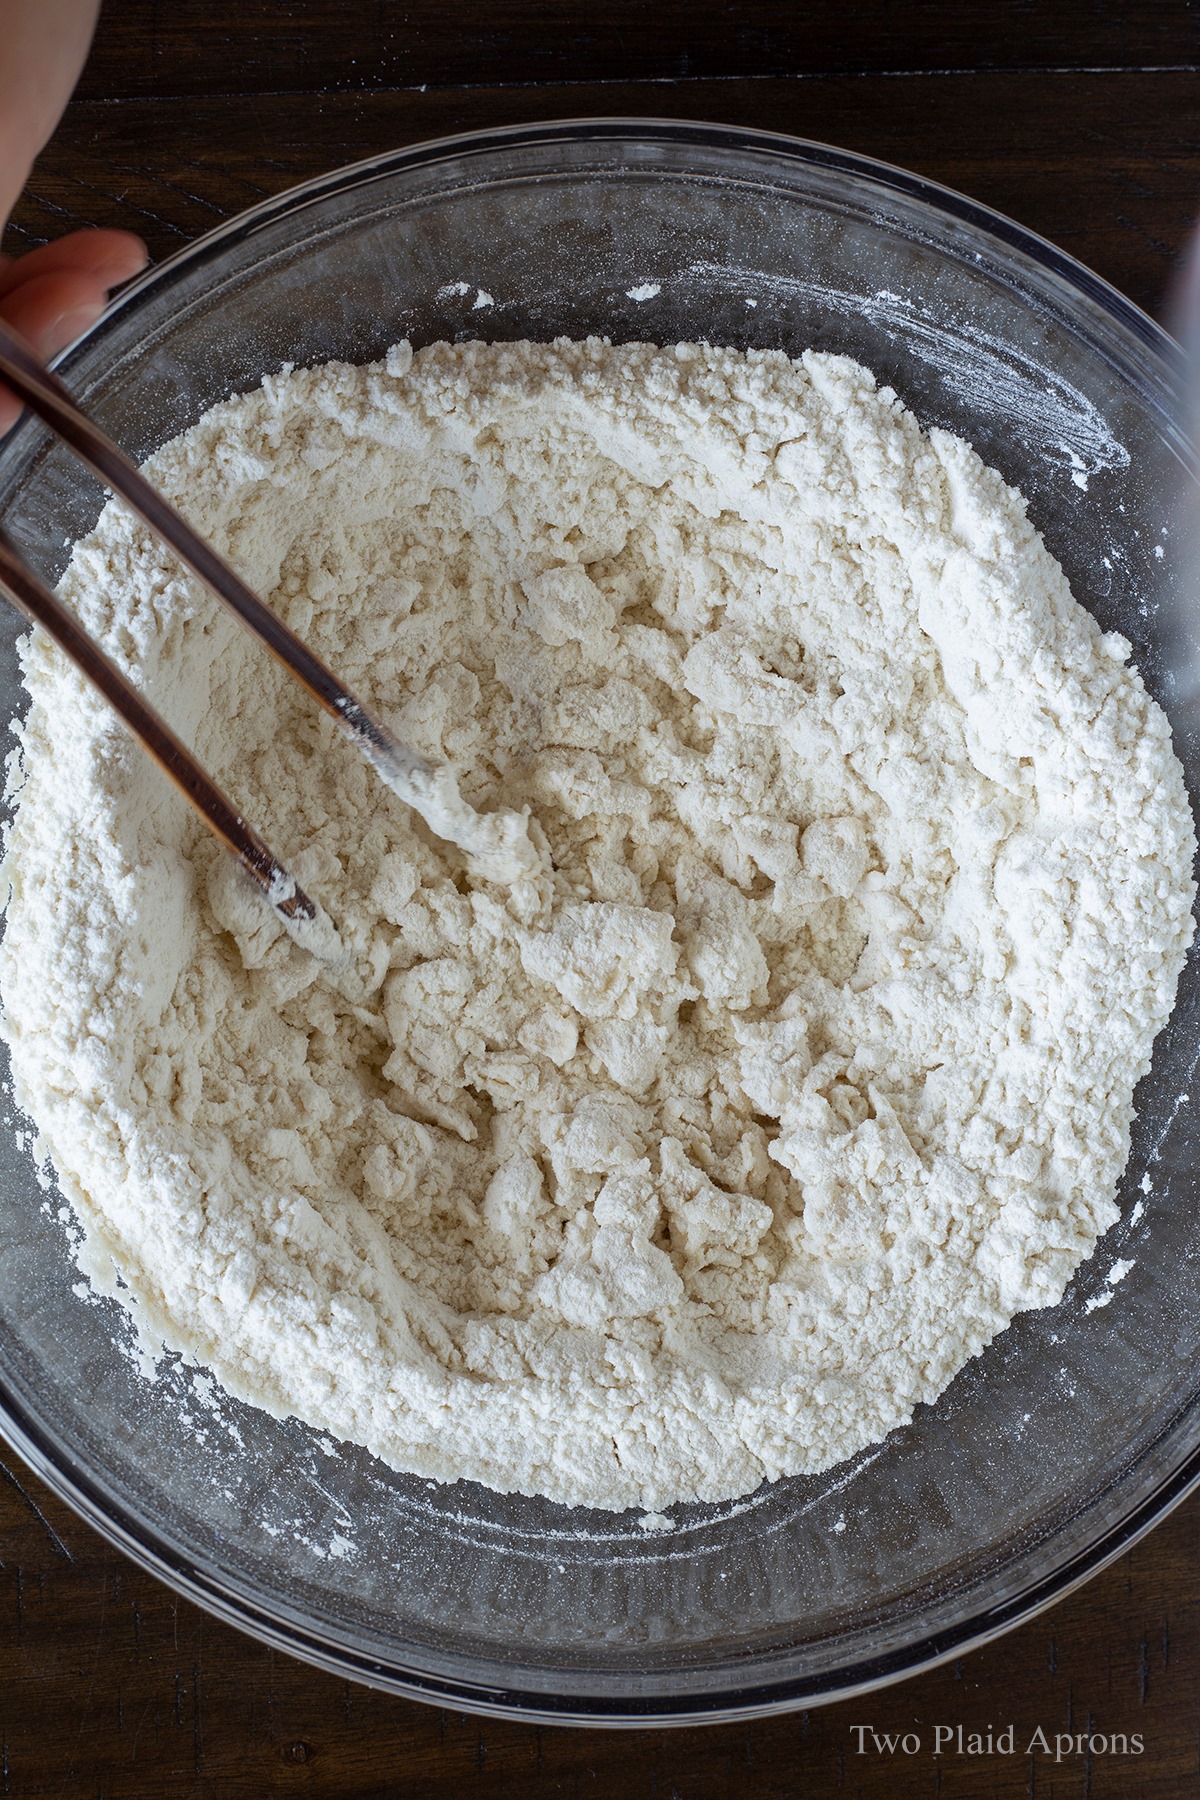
(1082, 121)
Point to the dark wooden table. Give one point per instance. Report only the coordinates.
(1082, 121)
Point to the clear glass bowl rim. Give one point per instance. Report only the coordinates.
(91, 1499)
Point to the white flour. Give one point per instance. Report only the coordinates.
(704, 1154)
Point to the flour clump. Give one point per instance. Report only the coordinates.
(782, 1046)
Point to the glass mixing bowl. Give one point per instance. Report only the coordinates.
(1080, 1425)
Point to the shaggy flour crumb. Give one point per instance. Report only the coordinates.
(702, 1151)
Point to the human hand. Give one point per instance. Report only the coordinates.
(53, 293)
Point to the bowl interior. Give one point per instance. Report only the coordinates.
(1077, 1422)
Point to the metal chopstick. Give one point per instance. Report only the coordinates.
(47, 396)
(43, 608)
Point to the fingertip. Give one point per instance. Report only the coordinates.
(123, 258)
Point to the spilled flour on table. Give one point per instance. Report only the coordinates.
(791, 1057)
